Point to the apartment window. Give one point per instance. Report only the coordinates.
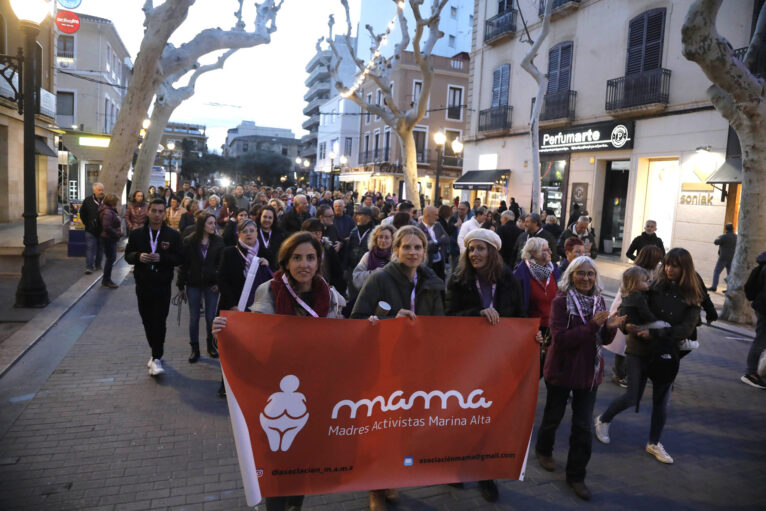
(453, 11)
(454, 103)
(451, 136)
(65, 104)
(65, 46)
(417, 87)
(366, 147)
(452, 41)
(420, 143)
(108, 58)
(645, 34)
(245, 147)
(369, 102)
(559, 68)
(504, 5)
(284, 153)
(387, 145)
(378, 101)
(106, 116)
(376, 144)
(322, 150)
(348, 146)
(500, 85)
(3, 36)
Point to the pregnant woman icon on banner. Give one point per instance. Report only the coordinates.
(285, 414)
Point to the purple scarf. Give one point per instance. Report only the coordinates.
(378, 258)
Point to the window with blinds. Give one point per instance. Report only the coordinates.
(500, 85)
(560, 68)
(645, 35)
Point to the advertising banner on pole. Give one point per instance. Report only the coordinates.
(336, 405)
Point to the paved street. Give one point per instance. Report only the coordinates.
(82, 426)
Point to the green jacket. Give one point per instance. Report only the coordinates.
(392, 286)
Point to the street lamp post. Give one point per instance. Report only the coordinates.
(332, 169)
(457, 146)
(31, 291)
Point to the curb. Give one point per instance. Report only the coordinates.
(18, 344)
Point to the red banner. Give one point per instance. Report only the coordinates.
(337, 405)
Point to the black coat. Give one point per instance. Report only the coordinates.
(271, 253)
(522, 240)
(463, 298)
(186, 220)
(89, 215)
(291, 221)
(231, 277)
(508, 233)
(356, 247)
(727, 243)
(229, 234)
(196, 272)
(642, 241)
(168, 247)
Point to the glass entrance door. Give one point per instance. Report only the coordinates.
(554, 179)
(661, 197)
(615, 193)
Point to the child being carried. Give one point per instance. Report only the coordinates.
(635, 304)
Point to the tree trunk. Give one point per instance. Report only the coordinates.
(534, 132)
(148, 150)
(410, 155)
(751, 233)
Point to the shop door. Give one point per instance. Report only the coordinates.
(615, 193)
(661, 197)
(554, 180)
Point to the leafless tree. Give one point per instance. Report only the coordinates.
(739, 96)
(528, 64)
(157, 61)
(402, 121)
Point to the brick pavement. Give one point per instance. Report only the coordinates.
(101, 434)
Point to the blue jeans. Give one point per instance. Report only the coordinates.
(719, 266)
(196, 295)
(759, 344)
(636, 368)
(94, 250)
(110, 253)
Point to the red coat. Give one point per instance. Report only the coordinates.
(570, 359)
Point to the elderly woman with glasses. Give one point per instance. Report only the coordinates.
(580, 324)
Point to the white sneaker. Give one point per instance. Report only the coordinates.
(149, 364)
(659, 452)
(602, 430)
(155, 368)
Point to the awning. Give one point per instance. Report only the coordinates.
(729, 172)
(480, 179)
(350, 177)
(42, 148)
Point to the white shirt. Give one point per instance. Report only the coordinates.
(468, 226)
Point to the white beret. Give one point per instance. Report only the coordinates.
(485, 235)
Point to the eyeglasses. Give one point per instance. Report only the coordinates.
(586, 274)
(328, 216)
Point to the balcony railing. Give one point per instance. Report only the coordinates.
(556, 4)
(760, 61)
(638, 89)
(560, 105)
(500, 25)
(493, 119)
(65, 54)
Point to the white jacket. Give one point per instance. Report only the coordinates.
(468, 226)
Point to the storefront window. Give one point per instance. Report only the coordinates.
(553, 182)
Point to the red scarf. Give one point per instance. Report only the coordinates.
(284, 303)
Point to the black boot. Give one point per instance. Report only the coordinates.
(222, 390)
(212, 349)
(194, 353)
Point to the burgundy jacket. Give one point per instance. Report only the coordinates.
(570, 360)
(111, 226)
(135, 215)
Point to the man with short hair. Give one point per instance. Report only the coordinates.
(478, 219)
(186, 191)
(727, 243)
(533, 228)
(293, 219)
(438, 240)
(403, 207)
(357, 244)
(573, 248)
(94, 248)
(476, 205)
(154, 250)
(580, 230)
(326, 216)
(648, 237)
(509, 233)
(343, 223)
(367, 201)
(242, 202)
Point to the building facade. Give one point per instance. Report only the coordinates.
(248, 138)
(380, 162)
(12, 122)
(626, 129)
(93, 71)
(338, 136)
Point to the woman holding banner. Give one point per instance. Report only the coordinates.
(404, 288)
(484, 286)
(580, 324)
(297, 289)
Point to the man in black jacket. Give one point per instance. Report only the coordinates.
(94, 249)
(755, 291)
(648, 237)
(154, 250)
(509, 233)
(727, 243)
(534, 229)
(293, 219)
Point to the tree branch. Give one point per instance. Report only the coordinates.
(425, 62)
(527, 63)
(704, 45)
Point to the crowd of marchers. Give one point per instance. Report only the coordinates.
(337, 255)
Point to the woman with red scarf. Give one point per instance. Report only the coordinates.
(297, 289)
(379, 254)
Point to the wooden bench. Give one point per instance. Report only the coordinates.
(12, 259)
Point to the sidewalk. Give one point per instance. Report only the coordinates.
(98, 433)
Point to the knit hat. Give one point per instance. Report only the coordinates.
(485, 235)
